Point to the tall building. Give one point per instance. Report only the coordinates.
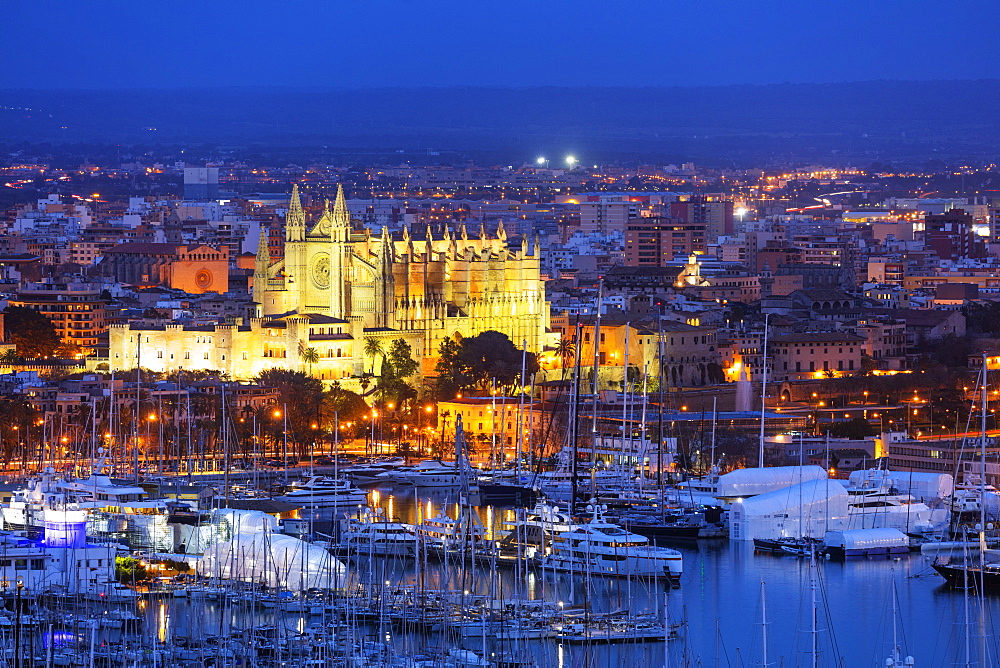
(654, 241)
(77, 311)
(716, 215)
(951, 235)
(603, 214)
(336, 285)
(201, 182)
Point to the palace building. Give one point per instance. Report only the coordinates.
(337, 285)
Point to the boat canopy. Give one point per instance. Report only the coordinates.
(808, 509)
(750, 482)
(864, 539)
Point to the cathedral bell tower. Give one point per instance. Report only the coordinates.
(340, 257)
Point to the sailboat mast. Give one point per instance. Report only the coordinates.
(594, 389)
(574, 418)
(982, 518)
(814, 631)
(763, 392)
(660, 378)
(715, 401)
(520, 407)
(625, 402)
(763, 623)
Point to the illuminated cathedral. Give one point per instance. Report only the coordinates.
(337, 284)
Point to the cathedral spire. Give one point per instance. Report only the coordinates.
(341, 225)
(501, 231)
(261, 264)
(295, 219)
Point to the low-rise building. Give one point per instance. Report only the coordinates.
(816, 355)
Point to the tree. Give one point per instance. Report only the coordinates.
(129, 570)
(566, 350)
(397, 365)
(10, 356)
(310, 356)
(341, 406)
(31, 332)
(485, 355)
(364, 382)
(400, 359)
(300, 397)
(450, 379)
(373, 348)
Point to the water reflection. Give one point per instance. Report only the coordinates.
(719, 602)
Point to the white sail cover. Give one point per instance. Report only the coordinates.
(810, 509)
(750, 482)
(273, 559)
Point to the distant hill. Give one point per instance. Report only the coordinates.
(865, 121)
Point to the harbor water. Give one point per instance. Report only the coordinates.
(729, 601)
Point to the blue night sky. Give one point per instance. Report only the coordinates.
(347, 43)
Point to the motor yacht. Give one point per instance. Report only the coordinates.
(430, 473)
(599, 547)
(372, 534)
(323, 492)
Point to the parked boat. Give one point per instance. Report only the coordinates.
(323, 492)
(372, 534)
(866, 542)
(430, 473)
(601, 548)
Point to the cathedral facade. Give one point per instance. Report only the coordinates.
(337, 286)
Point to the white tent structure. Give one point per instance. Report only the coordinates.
(248, 548)
(742, 483)
(273, 559)
(808, 509)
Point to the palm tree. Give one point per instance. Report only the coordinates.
(373, 349)
(364, 380)
(310, 356)
(9, 356)
(566, 350)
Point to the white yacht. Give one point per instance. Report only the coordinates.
(114, 511)
(601, 548)
(442, 533)
(532, 531)
(372, 534)
(430, 473)
(875, 504)
(558, 484)
(323, 492)
(969, 494)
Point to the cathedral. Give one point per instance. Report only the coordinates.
(338, 285)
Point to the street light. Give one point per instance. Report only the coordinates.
(571, 161)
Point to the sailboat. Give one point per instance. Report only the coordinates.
(966, 573)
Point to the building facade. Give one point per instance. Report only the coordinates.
(336, 286)
(76, 311)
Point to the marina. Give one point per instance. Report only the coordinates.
(447, 600)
